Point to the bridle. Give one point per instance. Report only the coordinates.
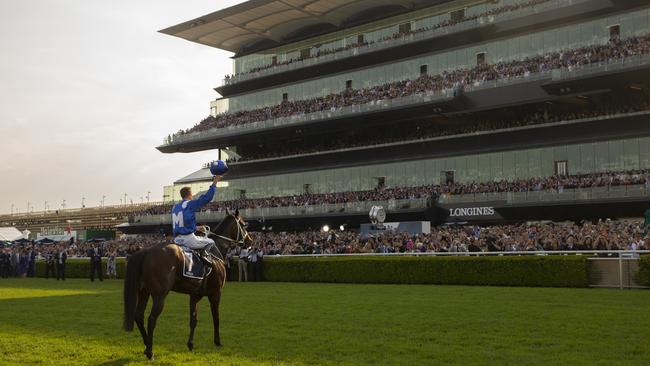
(242, 234)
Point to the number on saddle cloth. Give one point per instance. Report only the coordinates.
(193, 266)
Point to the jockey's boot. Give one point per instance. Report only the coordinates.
(205, 257)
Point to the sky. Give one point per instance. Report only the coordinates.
(89, 88)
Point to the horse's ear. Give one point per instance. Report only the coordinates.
(237, 213)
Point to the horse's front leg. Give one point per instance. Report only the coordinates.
(193, 320)
(214, 306)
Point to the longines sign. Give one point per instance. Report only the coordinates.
(471, 211)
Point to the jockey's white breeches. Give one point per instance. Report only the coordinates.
(192, 241)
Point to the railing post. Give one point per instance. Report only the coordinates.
(620, 270)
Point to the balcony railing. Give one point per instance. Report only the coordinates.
(310, 117)
(415, 37)
(576, 194)
(441, 138)
(504, 198)
(307, 210)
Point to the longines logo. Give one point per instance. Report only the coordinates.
(471, 211)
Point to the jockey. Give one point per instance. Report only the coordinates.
(184, 218)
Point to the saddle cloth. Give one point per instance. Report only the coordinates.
(192, 264)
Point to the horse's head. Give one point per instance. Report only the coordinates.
(232, 231)
(242, 228)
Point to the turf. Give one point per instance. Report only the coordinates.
(78, 323)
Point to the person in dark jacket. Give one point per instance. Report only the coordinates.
(60, 257)
(95, 255)
(23, 263)
(5, 263)
(31, 265)
(50, 265)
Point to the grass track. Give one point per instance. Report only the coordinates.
(78, 323)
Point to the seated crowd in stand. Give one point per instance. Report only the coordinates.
(527, 118)
(458, 79)
(552, 183)
(398, 35)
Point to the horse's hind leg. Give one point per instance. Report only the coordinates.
(143, 298)
(214, 306)
(193, 320)
(156, 309)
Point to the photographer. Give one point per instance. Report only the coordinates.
(255, 258)
(242, 264)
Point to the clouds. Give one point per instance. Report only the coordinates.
(89, 89)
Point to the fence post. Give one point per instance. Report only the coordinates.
(620, 270)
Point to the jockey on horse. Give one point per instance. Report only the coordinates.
(184, 218)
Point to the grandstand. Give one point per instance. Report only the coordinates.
(82, 220)
(328, 99)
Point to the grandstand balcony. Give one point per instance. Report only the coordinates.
(592, 129)
(566, 204)
(464, 33)
(535, 87)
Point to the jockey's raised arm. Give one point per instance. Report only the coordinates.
(184, 217)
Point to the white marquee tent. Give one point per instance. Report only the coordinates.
(10, 234)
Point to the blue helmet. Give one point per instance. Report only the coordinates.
(218, 167)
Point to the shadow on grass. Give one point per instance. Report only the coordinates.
(96, 319)
(120, 362)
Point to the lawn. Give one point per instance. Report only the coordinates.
(78, 323)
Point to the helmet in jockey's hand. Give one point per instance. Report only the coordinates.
(218, 167)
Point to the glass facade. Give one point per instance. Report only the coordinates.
(616, 155)
(571, 36)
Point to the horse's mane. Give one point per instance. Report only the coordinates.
(221, 228)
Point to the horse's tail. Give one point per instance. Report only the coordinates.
(131, 288)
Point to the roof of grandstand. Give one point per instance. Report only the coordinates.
(263, 24)
(200, 175)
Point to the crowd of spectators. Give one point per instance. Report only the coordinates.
(552, 183)
(548, 237)
(456, 80)
(528, 117)
(318, 52)
(602, 235)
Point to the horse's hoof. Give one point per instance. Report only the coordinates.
(148, 353)
(190, 345)
(217, 343)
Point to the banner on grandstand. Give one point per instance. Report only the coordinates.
(475, 211)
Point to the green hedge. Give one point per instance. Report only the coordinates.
(80, 268)
(643, 275)
(550, 271)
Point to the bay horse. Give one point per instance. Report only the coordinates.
(157, 270)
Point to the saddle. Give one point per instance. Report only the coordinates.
(196, 263)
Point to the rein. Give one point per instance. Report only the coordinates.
(241, 234)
